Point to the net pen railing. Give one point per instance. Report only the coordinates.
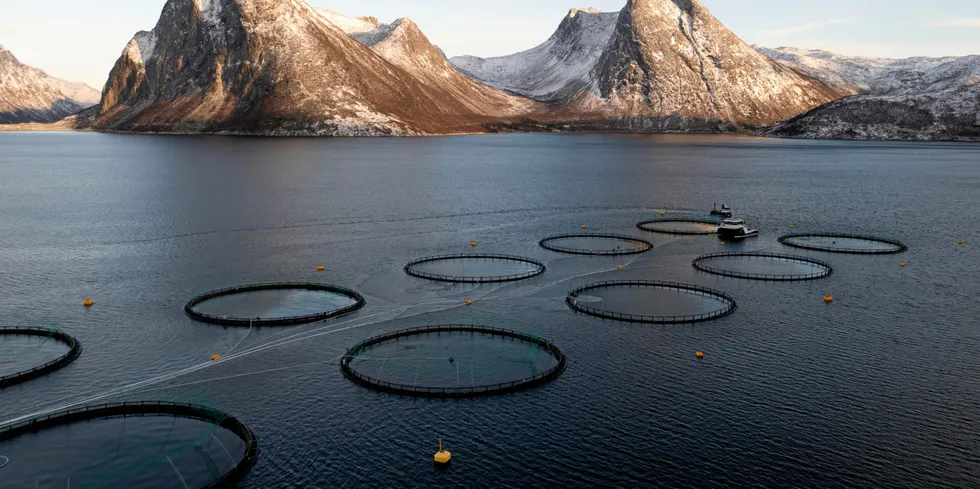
(411, 268)
(730, 304)
(226, 320)
(794, 241)
(74, 350)
(825, 270)
(453, 392)
(644, 245)
(152, 408)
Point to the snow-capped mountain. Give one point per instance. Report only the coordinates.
(945, 115)
(883, 76)
(658, 65)
(30, 95)
(913, 98)
(403, 44)
(555, 70)
(273, 67)
(671, 64)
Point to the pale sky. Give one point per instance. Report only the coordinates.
(80, 40)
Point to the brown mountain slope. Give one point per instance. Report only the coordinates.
(268, 67)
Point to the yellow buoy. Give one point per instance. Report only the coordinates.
(468, 301)
(442, 456)
(88, 302)
(828, 299)
(584, 226)
(663, 213)
(619, 267)
(902, 264)
(699, 354)
(959, 242)
(473, 243)
(792, 226)
(723, 243)
(215, 357)
(321, 268)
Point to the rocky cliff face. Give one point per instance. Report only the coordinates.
(403, 44)
(270, 67)
(29, 95)
(554, 71)
(914, 98)
(671, 64)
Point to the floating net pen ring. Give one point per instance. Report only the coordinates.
(821, 269)
(225, 320)
(649, 226)
(728, 303)
(638, 245)
(452, 392)
(534, 268)
(74, 350)
(156, 408)
(798, 240)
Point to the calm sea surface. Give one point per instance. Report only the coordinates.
(879, 389)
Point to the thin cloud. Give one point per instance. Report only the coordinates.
(974, 22)
(810, 26)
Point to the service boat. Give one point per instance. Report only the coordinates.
(735, 229)
(725, 211)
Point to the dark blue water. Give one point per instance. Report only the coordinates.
(879, 388)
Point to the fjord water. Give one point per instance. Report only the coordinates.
(877, 389)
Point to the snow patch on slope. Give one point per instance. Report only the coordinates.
(906, 76)
(350, 25)
(556, 68)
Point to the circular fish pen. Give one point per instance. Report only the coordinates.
(844, 243)
(475, 268)
(196, 449)
(453, 361)
(650, 301)
(681, 227)
(763, 266)
(47, 337)
(596, 244)
(273, 304)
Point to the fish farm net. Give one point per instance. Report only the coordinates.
(453, 361)
(596, 244)
(273, 304)
(683, 227)
(648, 301)
(763, 266)
(141, 444)
(474, 268)
(29, 353)
(844, 243)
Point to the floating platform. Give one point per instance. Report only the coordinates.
(354, 356)
(596, 244)
(652, 302)
(763, 266)
(844, 243)
(354, 302)
(475, 268)
(74, 350)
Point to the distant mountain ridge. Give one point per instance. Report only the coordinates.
(272, 67)
(282, 67)
(913, 98)
(30, 95)
(658, 65)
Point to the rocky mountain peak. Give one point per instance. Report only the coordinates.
(590, 10)
(28, 94)
(673, 59)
